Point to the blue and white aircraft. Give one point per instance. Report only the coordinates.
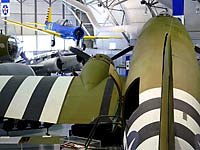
(61, 28)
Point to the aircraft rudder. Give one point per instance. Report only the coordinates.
(49, 14)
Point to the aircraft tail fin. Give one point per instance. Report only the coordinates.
(167, 135)
(49, 14)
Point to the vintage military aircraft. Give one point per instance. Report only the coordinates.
(158, 108)
(62, 28)
(54, 62)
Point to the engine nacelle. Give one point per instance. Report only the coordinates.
(51, 65)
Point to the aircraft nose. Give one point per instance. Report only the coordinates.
(79, 33)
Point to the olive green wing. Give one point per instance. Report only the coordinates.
(59, 99)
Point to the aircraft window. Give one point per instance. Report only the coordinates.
(67, 23)
(64, 22)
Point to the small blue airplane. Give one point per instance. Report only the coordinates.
(61, 28)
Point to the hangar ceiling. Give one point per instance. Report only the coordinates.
(131, 15)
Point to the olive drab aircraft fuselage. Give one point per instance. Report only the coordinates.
(165, 70)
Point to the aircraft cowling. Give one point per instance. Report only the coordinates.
(78, 33)
(95, 70)
(61, 63)
(9, 49)
(75, 33)
(51, 65)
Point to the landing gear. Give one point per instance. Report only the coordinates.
(84, 46)
(53, 41)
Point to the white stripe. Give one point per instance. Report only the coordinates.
(178, 94)
(22, 96)
(154, 116)
(130, 146)
(52, 107)
(125, 141)
(181, 144)
(151, 143)
(145, 119)
(187, 98)
(149, 94)
(190, 123)
(3, 81)
(9, 140)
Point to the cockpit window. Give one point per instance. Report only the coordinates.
(64, 22)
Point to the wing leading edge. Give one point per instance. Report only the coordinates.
(34, 28)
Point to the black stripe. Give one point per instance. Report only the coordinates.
(152, 129)
(38, 99)
(105, 105)
(144, 107)
(8, 92)
(156, 103)
(197, 141)
(146, 132)
(184, 133)
(188, 109)
(24, 140)
(133, 137)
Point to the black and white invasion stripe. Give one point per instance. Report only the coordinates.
(144, 125)
(33, 97)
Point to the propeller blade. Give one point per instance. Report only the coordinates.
(81, 24)
(197, 49)
(79, 35)
(77, 43)
(126, 50)
(59, 64)
(80, 53)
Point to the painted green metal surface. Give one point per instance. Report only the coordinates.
(84, 98)
(147, 64)
(167, 135)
